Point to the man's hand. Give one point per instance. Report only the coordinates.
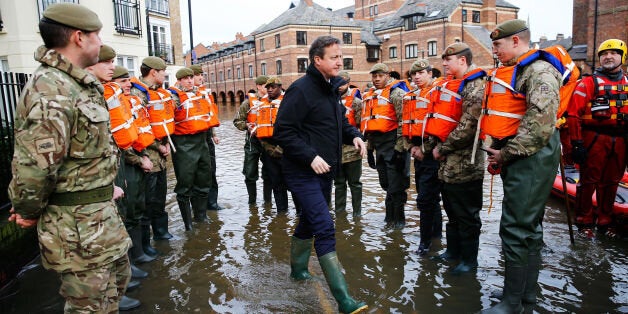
(370, 157)
(359, 144)
(437, 155)
(146, 164)
(118, 192)
(216, 140)
(319, 165)
(494, 157)
(24, 223)
(164, 150)
(578, 152)
(416, 152)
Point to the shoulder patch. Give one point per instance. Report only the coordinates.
(45, 145)
(544, 88)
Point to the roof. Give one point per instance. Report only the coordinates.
(481, 34)
(565, 42)
(578, 52)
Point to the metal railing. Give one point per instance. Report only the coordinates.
(163, 51)
(127, 17)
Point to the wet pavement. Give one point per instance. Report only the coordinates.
(239, 261)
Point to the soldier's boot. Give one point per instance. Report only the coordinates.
(268, 192)
(160, 228)
(281, 199)
(137, 273)
(212, 199)
(199, 207)
(399, 215)
(356, 201)
(437, 225)
(186, 212)
(337, 284)
(299, 258)
(514, 286)
(132, 285)
(148, 248)
(453, 245)
(532, 277)
(127, 304)
(340, 198)
(137, 251)
(468, 257)
(251, 189)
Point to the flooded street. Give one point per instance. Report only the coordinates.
(239, 262)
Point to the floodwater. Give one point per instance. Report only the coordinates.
(239, 261)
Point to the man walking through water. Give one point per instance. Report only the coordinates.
(311, 128)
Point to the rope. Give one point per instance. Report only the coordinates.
(490, 195)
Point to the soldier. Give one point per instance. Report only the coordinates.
(528, 152)
(428, 186)
(381, 124)
(65, 163)
(245, 121)
(212, 139)
(158, 103)
(192, 160)
(311, 127)
(350, 170)
(597, 127)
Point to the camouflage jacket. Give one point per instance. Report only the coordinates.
(396, 98)
(457, 148)
(152, 151)
(63, 144)
(540, 82)
(349, 152)
(239, 121)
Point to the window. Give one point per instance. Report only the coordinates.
(228, 74)
(464, 15)
(261, 45)
(158, 6)
(347, 38)
(302, 65)
(127, 17)
(372, 53)
(263, 68)
(412, 51)
(410, 22)
(278, 67)
(160, 35)
(221, 76)
(431, 48)
(392, 52)
(301, 38)
(250, 70)
(476, 17)
(42, 5)
(277, 41)
(4, 64)
(347, 63)
(213, 77)
(239, 73)
(128, 62)
(371, 11)
(376, 9)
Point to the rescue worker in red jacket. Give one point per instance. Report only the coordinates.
(381, 124)
(428, 185)
(598, 121)
(191, 161)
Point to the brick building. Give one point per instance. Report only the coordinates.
(395, 32)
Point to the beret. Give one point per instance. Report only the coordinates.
(421, 64)
(379, 67)
(106, 53)
(508, 28)
(154, 63)
(72, 15)
(120, 72)
(273, 80)
(261, 80)
(197, 69)
(454, 49)
(344, 75)
(184, 72)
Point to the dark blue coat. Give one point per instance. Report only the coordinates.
(311, 122)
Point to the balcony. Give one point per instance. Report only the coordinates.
(158, 6)
(163, 51)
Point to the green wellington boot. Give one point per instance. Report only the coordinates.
(186, 212)
(251, 189)
(532, 277)
(299, 258)
(336, 281)
(514, 285)
(199, 208)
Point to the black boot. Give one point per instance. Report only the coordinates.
(356, 201)
(137, 251)
(137, 273)
(212, 200)
(199, 208)
(186, 212)
(127, 304)
(514, 286)
(148, 249)
(532, 277)
(251, 189)
(132, 285)
(268, 192)
(468, 257)
(453, 245)
(281, 199)
(160, 228)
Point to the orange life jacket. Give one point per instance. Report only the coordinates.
(254, 104)
(142, 121)
(504, 106)
(610, 105)
(415, 105)
(445, 109)
(206, 95)
(347, 101)
(120, 115)
(192, 114)
(266, 116)
(160, 109)
(378, 112)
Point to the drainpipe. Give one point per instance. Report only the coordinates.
(594, 37)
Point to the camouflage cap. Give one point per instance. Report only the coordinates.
(508, 28)
(379, 67)
(197, 69)
(421, 64)
(120, 72)
(454, 49)
(154, 63)
(344, 75)
(261, 80)
(184, 72)
(273, 80)
(72, 15)
(106, 53)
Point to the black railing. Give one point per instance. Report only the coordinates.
(163, 51)
(158, 6)
(127, 17)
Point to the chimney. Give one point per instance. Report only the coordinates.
(543, 39)
(309, 2)
(488, 14)
(560, 36)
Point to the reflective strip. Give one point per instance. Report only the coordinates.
(446, 91)
(579, 93)
(145, 129)
(204, 117)
(163, 122)
(503, 114)
(441, 116)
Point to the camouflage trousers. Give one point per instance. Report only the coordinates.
(97, 290)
